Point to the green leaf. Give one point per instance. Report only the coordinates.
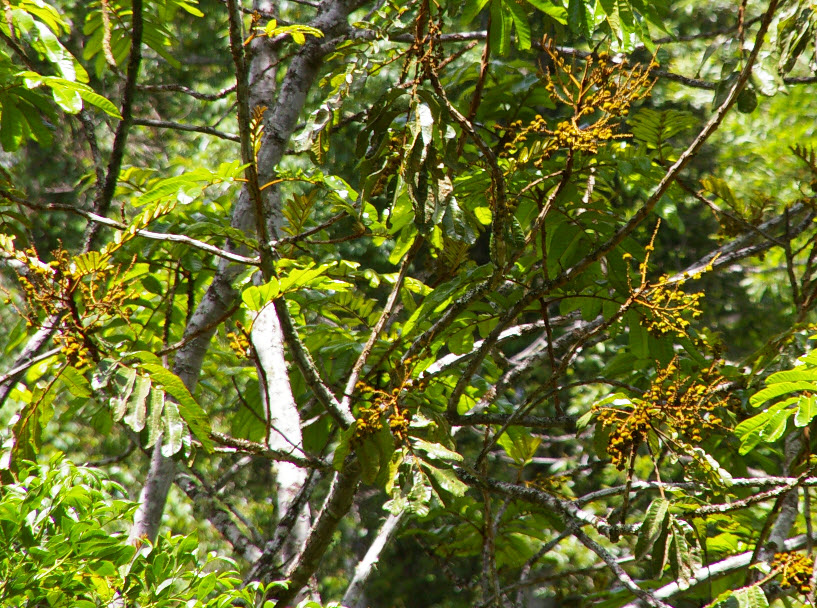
(173, 427)
(137, 404)
(435, 450)
(799, 373)
(369, 456)
(519, 444)
(255, 297)
(69, 95)
(751, 597)
(774, 429)
(76, 383)
(584, 420)
(501, 25)
(462, 342)
(610, 8)
(579, 18)
(520, 23)
(154, 423)
(125, 379)
(445, 479)
(681, 554)
(557, 13)
(655, 127)
(806, 410)
(404, 242)
(639, 338)
(780, 388)
(343, 448)
(749, 430)
(472, 9)
(655, 524)
(189, 409)
(12, 124)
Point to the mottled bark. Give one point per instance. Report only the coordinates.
(285, 105)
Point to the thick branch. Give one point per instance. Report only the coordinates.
(337, 504)
(103, 200)
(221, 295)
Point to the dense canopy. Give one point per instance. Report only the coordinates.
(428, 303)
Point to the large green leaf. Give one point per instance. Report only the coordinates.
(806, 410)
(70, 95)
(780, 388)
(751, 597)
(435, 450)
(654, 526)
(445, 479)
(187, 407)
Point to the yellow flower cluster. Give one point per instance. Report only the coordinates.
(686, 404)
(239, 340)
(677, 407)
(600, 94)
(383, 409)
(667, 305)
(630, 428)
(87, 289)
(77, 353)
(399, 422)
(795, 570)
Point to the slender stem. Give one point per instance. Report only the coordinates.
(378, 327)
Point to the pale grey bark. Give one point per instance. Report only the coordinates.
(285, 105)
(283, 423)
(355, 596)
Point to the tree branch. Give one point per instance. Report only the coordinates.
(178, 126)
(178, 88)
(712, 571)
(354, 596)
(354, 375)
(648, 598)
(337, 504)
(103, 200)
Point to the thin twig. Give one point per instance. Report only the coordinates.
(178, 126)
(21, 367)
(354, 375)
(259, 449)
(148, 234)
(178, 88)
(624, 578)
